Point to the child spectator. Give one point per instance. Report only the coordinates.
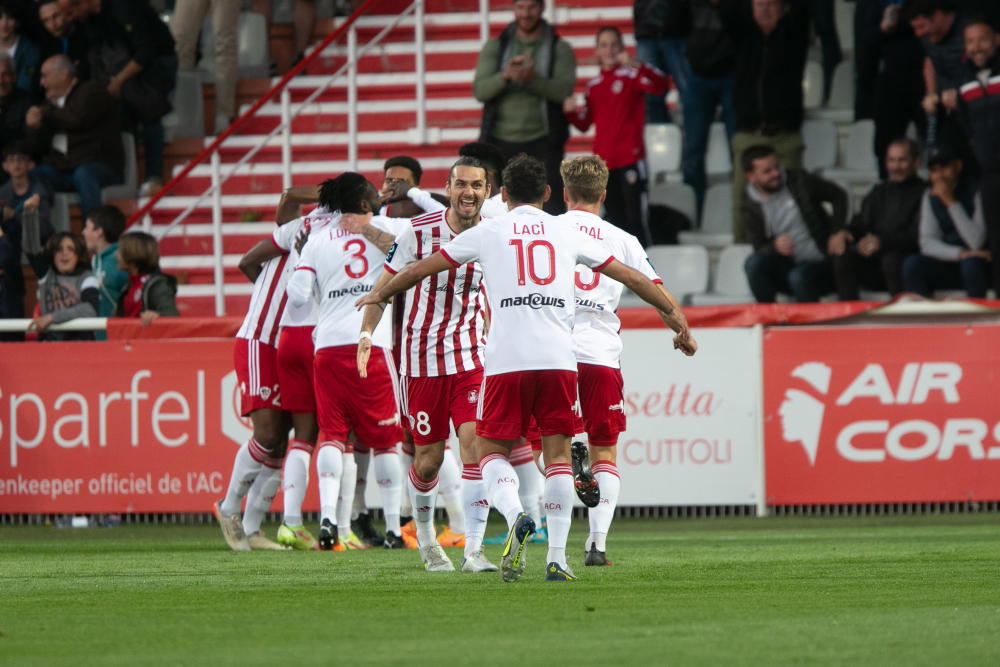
(25, 53)
(101, 231)
(20, 189)
(68, 289)
(149, 293)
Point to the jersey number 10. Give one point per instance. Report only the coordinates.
(529, 254)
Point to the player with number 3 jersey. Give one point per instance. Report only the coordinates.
(529, 265)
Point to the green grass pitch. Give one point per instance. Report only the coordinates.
(778, 591)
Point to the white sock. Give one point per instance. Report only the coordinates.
(406, 456)
(540, 464)
(261, 495)
(390, 485)
(295, 481)
(477, 507)
(329, 468)
(606, 473)
(528, 490)
(559, 495)
(501, 485)
(362, 459)
(249, 458)
(422, 494)
(450, 484)
(348, 480)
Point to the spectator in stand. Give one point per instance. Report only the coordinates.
(17, 193)
(132, 54)
(792, 234)
(64, 37)
(952, 233)
(772, 38)
(615, 104)
(67, 289)
(303, 21)
(149, 293)
(14, 105)
(23, 50)
(661, 31)
(979, 110)
(186, 27)
(490, 156)
(712, 56)
(941, 31)
(897, 89)
(825, 23)
(885, 233)
(77, 132)
(105, 224)
(522, 77)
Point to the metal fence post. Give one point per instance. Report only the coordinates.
(352, 99)
(484, 21)
(421, 82)
(286, 138)
(220, 276)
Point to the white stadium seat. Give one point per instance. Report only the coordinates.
(678, 196)
(716, 219)
(812, 85)
(683, 269)
(664, 144)
(731, 284)
(718, 155)
(860, 164)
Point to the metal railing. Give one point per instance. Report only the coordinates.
(219, 175)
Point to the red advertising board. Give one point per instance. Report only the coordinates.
(122, 426)
(873, 415)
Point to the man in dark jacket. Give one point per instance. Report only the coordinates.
(886, 230)
(712, 57)
(132, 53)
(62, 36)
(77, 133)
(979, 109)
(792, 234)
(661, 31)
(14, 105)
(772, 39)
(522, 77)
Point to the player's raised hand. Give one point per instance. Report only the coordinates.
(364, 351)
(300, 240)
(684, 342)
(354, 222)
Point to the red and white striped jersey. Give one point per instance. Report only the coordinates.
(267, 303)
(443, 316)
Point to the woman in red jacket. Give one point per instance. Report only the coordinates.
(615, 103)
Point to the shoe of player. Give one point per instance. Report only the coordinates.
(435, 559)
(499, 539)
(595, 557)
(587, 489)
(541, 535)
(296, 537)
(408, 528)
(410, 542)
(354, 543)
(365, 529)
(450, 539)
(393, 541)
(259, 542)
(513, 562)
(232, 529)
(329, 540)
(553, 572)
(478, 562)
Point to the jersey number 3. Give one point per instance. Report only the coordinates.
(529, 254)
(359, 254)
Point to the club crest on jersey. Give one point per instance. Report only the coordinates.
(265, 393)
(533, 301)
(474, 396)
(617, 86)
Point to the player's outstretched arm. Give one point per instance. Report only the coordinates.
(292, 199)
(250, 263)
(358, 223)
(373, 315)
(658, 297)
(406, 279)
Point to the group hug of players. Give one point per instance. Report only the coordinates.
(505, 335)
